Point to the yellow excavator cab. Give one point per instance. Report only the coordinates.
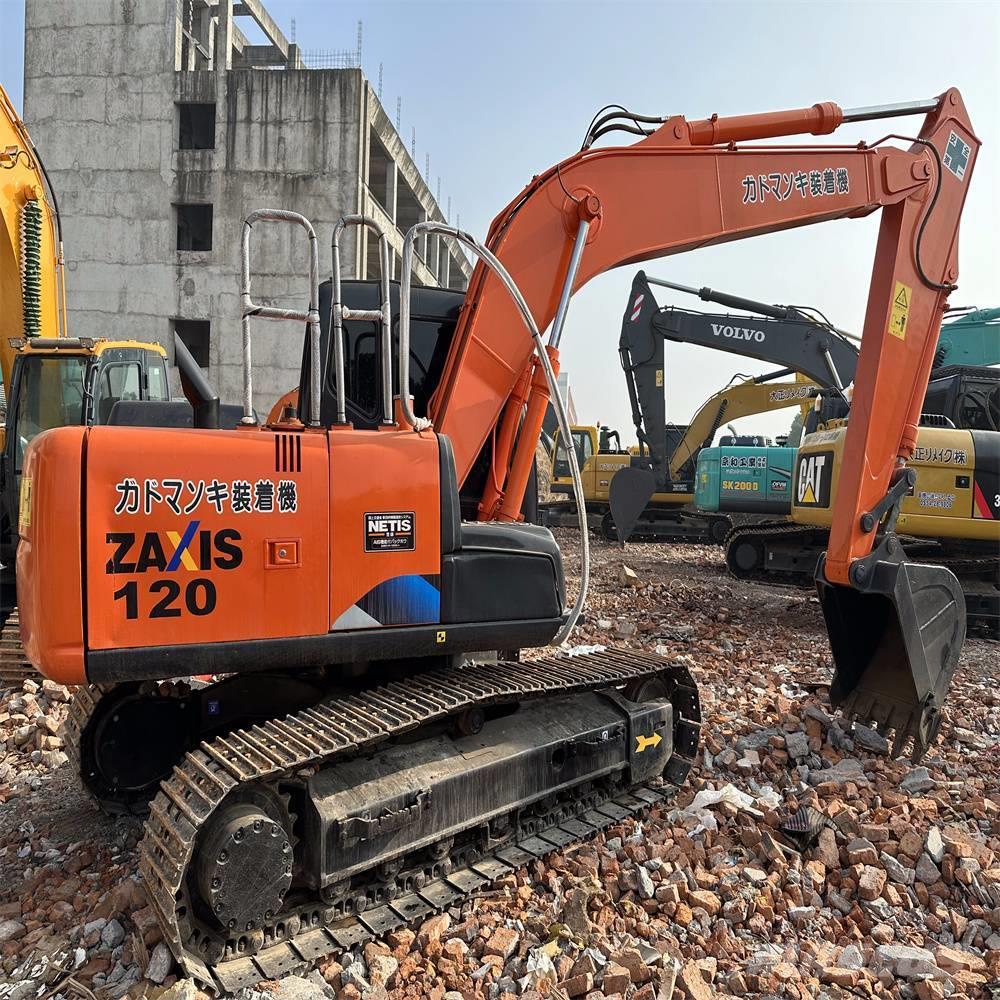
(74, 381)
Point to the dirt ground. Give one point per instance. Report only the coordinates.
(74, 921)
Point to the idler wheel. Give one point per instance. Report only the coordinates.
(747, 556)
(245, 867)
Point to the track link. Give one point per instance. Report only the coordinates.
(969, 569)
(331, 732)
(15, 668)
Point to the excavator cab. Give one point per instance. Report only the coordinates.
(584, 439)
(65, 382)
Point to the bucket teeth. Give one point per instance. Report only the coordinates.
(902, 721)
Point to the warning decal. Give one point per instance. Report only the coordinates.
(900, 310)
(659, 378)
(24, 512)
(956, 155)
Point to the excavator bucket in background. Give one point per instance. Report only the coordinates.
(896, 636)
(628, 496)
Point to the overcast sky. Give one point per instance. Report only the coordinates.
(498, 91)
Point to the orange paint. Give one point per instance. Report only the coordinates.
(50, 556)
(381, 472)
(673, 192)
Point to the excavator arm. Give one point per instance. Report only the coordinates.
(784, 337)
(741, 399)
(31, 286)
(972, 339)
(690, 184)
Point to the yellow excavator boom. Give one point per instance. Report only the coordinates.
(740, 399)
(31, 279)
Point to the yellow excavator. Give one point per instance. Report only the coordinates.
(665, 516)
(951, 516)
(49, 379)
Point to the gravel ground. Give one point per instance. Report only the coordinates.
(896, 893)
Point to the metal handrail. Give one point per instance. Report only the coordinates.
(422, 423)
(382, 315)
(250, 308)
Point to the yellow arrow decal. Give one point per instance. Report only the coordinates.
(645, 742)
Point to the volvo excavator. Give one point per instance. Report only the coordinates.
(377, 748)
(666, 515)
(654, 497)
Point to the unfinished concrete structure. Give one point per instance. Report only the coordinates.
(162, 126)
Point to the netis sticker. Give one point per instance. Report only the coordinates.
(390, 531)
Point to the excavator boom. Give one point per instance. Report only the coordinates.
(972, 339)
(691, 184)
(31, 286)
(741, 399)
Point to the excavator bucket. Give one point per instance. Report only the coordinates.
(628, 496)
(896, 637)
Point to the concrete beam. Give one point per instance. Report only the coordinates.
(255, 9)
(240, 41)
(261, 55)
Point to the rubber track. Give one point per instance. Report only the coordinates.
(318, 737)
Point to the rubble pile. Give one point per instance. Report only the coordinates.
(30, 745)
(799, 860)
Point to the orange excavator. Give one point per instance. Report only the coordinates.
(376, 748)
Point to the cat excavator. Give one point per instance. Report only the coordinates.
(376, 748)
(663, 516)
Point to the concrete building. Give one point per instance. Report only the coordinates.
(162, 126)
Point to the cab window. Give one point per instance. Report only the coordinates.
(584, 449)
(157, 388)
(50, 394)
(118, 381)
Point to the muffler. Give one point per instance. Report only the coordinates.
(896, 637)
(629, 494)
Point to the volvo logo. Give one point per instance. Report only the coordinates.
(738, 332)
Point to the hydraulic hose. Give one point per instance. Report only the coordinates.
(31, 267)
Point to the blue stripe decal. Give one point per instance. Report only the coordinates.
(404, 600)
(175, 559)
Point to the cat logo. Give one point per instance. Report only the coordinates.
(812, 479)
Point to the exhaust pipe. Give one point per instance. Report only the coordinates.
(896, 637)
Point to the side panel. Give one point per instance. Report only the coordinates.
(706, 480)
(197, 536)
(386, 529)
(951, 465)
(986, 488)
(602, 468)
(49, 571)
(755, 480)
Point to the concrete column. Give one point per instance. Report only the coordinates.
(433, 249)
(223, 40)
(445, 270)
(391, 187)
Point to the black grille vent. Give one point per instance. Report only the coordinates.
(287, 453)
